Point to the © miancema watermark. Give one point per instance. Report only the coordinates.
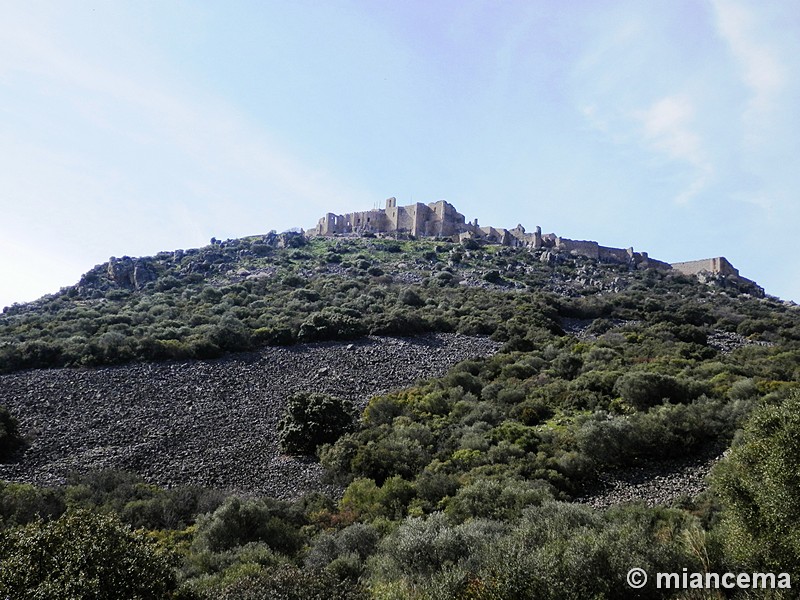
(637, 578)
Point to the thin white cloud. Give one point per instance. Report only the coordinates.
(761, 200)
(761, 69)
(667, 124)
(763, 58)
(667, 127)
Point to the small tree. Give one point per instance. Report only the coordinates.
(82, 555)
(312, 419)
(10, 439)
(760, 485)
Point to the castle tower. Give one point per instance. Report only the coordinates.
(391, 214)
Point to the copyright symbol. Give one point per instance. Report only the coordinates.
(637, 578)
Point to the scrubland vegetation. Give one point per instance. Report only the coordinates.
(459, 487)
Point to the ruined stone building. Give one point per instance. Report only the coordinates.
(437, 219)
(442, 220)
(716, 266)
(594, 250)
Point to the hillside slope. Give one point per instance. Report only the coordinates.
(571, 384)
(211, 423)
(280, 289)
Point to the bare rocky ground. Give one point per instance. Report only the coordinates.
(211, 423)
(661, 483)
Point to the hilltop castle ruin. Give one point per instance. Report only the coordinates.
(441, 220)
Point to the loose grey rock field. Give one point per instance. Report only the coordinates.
(211, 423)
(654, 484)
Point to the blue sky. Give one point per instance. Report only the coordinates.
(127, 128)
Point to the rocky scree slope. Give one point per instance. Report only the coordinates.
(211, 423)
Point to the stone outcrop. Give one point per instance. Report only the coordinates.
(654, 483)
(130, 273)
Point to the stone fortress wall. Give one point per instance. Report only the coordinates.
(437, 219)
(441, 219)
(719, 265)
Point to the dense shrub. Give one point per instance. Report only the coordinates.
(238, 522)
(345, 551)
(421, 547)
(499, 500)
(288, 583)
(330, 323)
(10, 439)
(643, 389)
(82, 555)
(312, 419)
(759, 483)
(560, 551)
(555, 551)
(138, 503)
(664, 431)
(22, 503)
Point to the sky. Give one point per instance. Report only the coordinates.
(129, 128)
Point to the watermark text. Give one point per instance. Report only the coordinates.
(637, 578)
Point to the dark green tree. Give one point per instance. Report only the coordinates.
(312, 419)
(82, 555)
(10, 439)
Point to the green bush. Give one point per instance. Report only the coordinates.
(22, 503)
(759, 483)
(82, 555)
(289, 583)
(332, 323)
(10, 439)
(421, 547)
(357, 541)
(312, 419)
(643, 389)
(238, 522)
(568, 552)
(500, 500)
(664, 431)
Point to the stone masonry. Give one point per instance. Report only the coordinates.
(441, 220)
(717, 266)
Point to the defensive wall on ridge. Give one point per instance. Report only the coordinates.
(441, 220)
(719, 265)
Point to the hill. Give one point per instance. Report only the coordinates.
(237, 295)
(570, 376)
